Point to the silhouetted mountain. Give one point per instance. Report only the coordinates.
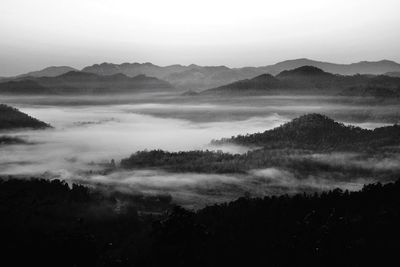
(309, 77)
(258, 85)
(12, 118)
(363, 67)
(200, 78)
(208, 77)
(134, 69)
(319, 132)
(76, 82)
(196, 77)
(304, 71)
(48, 72)
(306, 80)
(183, 77)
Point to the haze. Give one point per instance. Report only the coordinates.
(86, 137)
(36, 34)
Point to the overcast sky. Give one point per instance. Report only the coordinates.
(39, 33)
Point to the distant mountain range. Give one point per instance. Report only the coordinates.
(76, 82)
(194, 77)
(302, 80)
(312, 80)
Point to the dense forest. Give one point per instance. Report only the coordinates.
(184, 161)
(51, 223)
(290, 147)
(12, 118)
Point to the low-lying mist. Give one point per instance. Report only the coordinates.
(85, 139)
(99, 134)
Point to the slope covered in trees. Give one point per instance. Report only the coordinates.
(318, 132)
(12, 118)
(301, 148)
(49, 223)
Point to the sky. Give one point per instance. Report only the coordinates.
(38, 33)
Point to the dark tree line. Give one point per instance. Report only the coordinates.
(288, 147)
(48, 223)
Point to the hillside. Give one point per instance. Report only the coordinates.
(315, 131)
(12, 118)
(75, 82)
(289, 147)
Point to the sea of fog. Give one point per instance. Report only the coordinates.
(86, 136)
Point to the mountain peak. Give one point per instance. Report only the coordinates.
(263, 77)
(303, 71)
(312, 119)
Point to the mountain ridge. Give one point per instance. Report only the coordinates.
(310, 80)
(77, 82)
(196, 77)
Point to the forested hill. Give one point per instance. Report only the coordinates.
(319, 132)
(12, 118)
(288, 147)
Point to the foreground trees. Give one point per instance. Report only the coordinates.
(53, 224)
